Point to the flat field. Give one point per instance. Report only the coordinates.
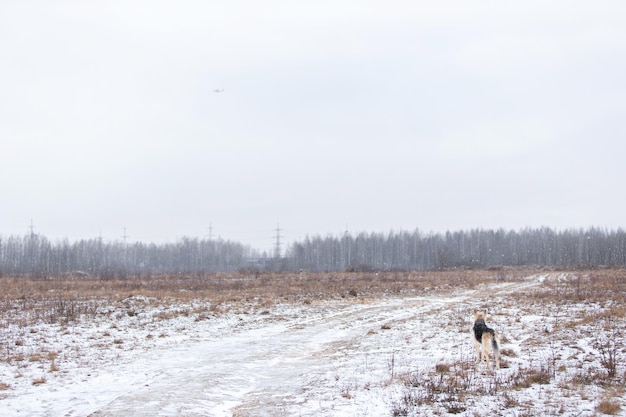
(303, 344)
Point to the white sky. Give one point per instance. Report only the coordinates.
(370, 115)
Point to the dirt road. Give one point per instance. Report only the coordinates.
(260, 371)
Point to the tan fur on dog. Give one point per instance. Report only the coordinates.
(485, 340)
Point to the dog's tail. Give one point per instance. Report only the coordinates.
(495, 346)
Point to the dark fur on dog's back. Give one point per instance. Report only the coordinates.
(486, 339)
(479, 328)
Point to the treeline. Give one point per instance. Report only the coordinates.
(35, 255)
(465, 249)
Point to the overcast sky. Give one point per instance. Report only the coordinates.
(336, 115)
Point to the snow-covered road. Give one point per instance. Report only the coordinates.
(258, 371)
(256, 368)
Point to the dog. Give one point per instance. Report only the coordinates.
(485, 340)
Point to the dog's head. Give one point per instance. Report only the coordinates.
(480, 315)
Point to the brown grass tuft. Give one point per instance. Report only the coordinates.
(442, 368)
(39, 381)
(610, 406)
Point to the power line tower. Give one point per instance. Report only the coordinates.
(277, 242)
(32, 229)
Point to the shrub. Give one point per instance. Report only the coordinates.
(608, 406)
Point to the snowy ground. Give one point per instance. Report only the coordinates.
(405, 355)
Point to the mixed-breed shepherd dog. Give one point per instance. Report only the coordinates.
(485, 340)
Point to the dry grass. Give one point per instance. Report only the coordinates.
(39, 381)
(67, 299)
(610, 406)
(589, 285)
(586, 304)
(240, 285)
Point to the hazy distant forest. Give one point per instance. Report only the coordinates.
(35, 255)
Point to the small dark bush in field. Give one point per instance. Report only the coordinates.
(442, 368)
(360, 268)
(609, 406)
(609, 344)
(508, 352)
(525, 378)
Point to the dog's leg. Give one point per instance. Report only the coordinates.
(486, 343)
(478, 351)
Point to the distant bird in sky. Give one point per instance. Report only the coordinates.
(218, 90)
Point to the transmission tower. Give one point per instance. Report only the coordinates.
(277, 242)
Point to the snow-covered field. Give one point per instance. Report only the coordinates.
(408, 354)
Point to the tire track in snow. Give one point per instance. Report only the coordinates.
(260, 371)
(252, 369)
